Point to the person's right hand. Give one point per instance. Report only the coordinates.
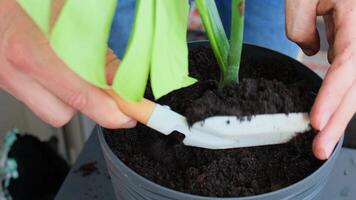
(335, 104)
(31, 71)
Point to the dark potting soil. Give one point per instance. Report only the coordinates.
(263, 88)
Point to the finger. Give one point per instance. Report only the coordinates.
(324, 143)
(112, 63)
(338, 80)
(45, 105)
(341, 74)
(31, 53)
(330, 35)
(301, 24)
(331, 53)
(325, 7)
(56, 7)
(81, 95)
(329, 28)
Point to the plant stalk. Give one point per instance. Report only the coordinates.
(231, 74)
(215, 31)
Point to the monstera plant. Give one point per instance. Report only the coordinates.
(228, 54)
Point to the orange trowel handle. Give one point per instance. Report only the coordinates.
(140, 111)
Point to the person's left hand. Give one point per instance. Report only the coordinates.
(32, 72)
(335, 104)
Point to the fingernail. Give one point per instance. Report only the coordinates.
(129, 124)
(308, 52)
(328, 149)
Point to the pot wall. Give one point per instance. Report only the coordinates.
(128, 185)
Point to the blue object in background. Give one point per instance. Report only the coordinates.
(264, 25)
(121, 26)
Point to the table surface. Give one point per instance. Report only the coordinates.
(341, 186)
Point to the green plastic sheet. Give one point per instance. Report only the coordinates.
(169, 64)
(39, 10)
(80, 37)
(165, 59)
(131, 77)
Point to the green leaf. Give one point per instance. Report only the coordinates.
(215, 31)
(169, 64)
(131, 77)
(227, 54)
(236, 41)
(39, 10)
(80, 37)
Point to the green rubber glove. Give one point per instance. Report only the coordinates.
(80, 37)
(131, 77)
(39, 10)
(169, 64)
(165, 59)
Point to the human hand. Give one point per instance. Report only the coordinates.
(336, 102)
(31, 72)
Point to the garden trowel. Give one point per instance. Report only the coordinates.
(218, 132)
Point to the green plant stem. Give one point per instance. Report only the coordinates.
(231, 74)
(215, 31)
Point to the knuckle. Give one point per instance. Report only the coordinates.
(18, 53)
(77, 100)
